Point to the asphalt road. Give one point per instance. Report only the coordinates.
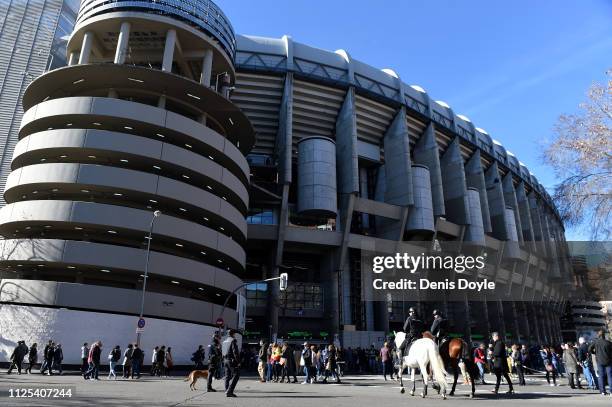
(355, 391)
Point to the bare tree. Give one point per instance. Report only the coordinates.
(581, 156)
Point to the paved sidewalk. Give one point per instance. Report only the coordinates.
(355, 391)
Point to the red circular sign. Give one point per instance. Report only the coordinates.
(220, 321)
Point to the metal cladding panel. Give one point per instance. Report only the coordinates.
(346, 146)
(398, 170)
(426, 153)
(523, 206)
(510, 200)
(497, 205)
(512, 248)
(421, 217)
(474, 233)
(317, 192)
(454, 185)
(475, 178)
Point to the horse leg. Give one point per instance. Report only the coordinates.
(401, 380)
(473, 388)
(425, 378)
(455, 375)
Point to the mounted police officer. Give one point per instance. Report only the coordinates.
(439, 327)
(231, 362)
(413, 327)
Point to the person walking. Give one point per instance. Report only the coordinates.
(160, 359)
(517, 363)
(480, 358)
(570, 360)
(48, 356)
(586, 362)
(94, 362)
(214, 361)
(84, 356)
(331, 368)
(231, 362)
(602, 348)
(137, 359)
(269, 363)
(19, 353)
(32, 357)
(385, 360)
(127, 361)
(500, 364)
(547, 359)
(154, 361)
(306, 361)
(288, 364)
(58, 357)
(198, 358)
(113, 359)
(169, 361)
(261, 365)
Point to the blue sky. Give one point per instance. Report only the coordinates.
(511, 67)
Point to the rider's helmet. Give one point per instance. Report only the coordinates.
(412, 311)
(437, 313)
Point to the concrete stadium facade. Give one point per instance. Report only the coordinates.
(158, 110)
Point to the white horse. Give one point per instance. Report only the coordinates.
(422, 352)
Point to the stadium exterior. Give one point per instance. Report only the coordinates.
(164, 108)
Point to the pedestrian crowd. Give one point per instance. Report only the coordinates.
(317, 363)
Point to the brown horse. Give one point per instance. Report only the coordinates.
(453, 352)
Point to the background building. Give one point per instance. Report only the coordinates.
(33, 35)
(139, 121)
(346, 157)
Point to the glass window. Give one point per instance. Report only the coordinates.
(257, 294)
(302, 296)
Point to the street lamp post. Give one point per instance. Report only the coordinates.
(156, 215)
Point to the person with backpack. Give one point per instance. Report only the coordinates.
(113, 358)
(231, 362)
(198, 358)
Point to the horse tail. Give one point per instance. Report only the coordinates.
(437, 366)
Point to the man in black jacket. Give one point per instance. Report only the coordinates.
(137, 359)
(602, 348)
(439, 327)
(214, 361)
(231, 362)
(500, 363)
(413, 327)
(19, 353)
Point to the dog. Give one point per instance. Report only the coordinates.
(194, 376)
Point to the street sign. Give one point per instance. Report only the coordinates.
(141, 323)
(220, 321)
(139, 330)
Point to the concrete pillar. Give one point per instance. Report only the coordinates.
(122, 43)
(161, 103)
(169, 50)
(86, 48)
(74, 58)
(206, 75)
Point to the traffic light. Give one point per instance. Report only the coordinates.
(283, 281)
